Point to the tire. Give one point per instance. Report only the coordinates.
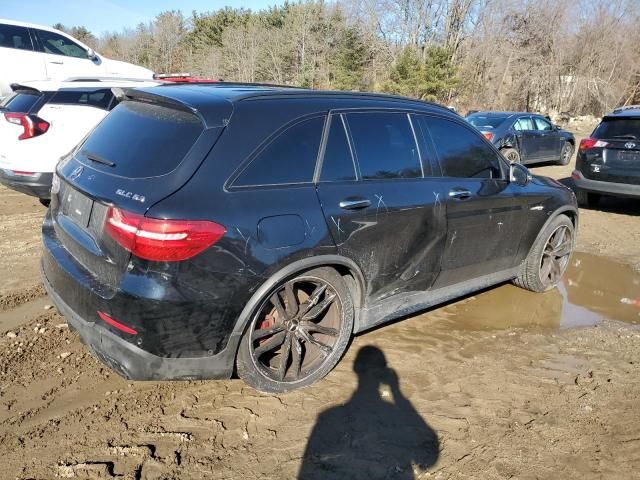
(311, 332)
(549, 256)
(587, 199)
(511, 154)
(566, 154)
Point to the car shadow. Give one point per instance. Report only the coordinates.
(621, 205)
(376, 434)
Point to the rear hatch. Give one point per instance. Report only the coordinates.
(143, 151)
(616, 157)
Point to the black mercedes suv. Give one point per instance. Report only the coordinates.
(608, 162)
(204, 228)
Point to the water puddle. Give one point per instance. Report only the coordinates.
(593, 289)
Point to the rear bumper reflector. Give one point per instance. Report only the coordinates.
(116, 324)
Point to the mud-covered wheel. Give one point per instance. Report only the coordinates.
(566, 154)
(298, 333)
(549, 257)
(587, 199)
(511, 154)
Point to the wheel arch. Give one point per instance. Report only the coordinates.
(346, 267)
(568, 210)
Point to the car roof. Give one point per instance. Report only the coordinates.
(205, 97)
(28, 25)
(505, 114)
(627, 111)
(85, 83)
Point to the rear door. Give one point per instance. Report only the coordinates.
(619, 160)
(139, 154)
(484, 216)
(18, 58)
(379, 202)
(529, 137)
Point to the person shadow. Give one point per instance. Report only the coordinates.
(370, 437)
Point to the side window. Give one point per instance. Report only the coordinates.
(98, 99)
(523, 123)
(542, 124)
(12, 36)
(385, 145)
(462, 152)
(59, 45)
(289, 158)
(338, 161)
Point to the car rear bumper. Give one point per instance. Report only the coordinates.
(608, 188)
(133, 362)
(36, 185)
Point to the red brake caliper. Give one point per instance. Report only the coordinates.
(268, 322)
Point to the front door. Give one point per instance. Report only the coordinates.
(550, 141)
(381, 208)
(531, 144)
(484, 218)
(65, 58)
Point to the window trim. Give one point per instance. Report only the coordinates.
(230, 183)
(317, 177)
(407, 114)
(27, 30)
(502, 166)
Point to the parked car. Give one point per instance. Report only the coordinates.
(608, 162)
(200, 228)
(42, 121)
(525, 137)
(31, 52)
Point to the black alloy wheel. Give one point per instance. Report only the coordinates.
(555, 256)
(298, 333)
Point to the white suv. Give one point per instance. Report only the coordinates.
(42, 121)
(33, 52)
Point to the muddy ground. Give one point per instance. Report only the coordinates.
(503, 384)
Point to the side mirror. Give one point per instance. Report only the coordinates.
(91, 54)
(519, 174)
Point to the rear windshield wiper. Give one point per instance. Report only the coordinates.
(629, 136)
(96, 158)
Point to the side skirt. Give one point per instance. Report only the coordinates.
(407, 303)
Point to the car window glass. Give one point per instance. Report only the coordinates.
(20, 102)
(12, 36)
(338, 161)
(59, 45)
(624, 128)
(461, 151)
(99, 99)
(542, 124)
(385, 145)
(523, 123)
(289, 158)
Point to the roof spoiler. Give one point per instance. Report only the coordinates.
(16, 86)
(627, 107)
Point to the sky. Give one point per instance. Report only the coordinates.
(108, 15)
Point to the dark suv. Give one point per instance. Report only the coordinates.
(608, 162)
(200, 228)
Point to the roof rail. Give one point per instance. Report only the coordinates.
(626, 107)
(106, 79)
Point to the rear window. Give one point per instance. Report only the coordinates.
(623, 128)
(486, 121)
(97, 98)
(20, 102)
(142, 140)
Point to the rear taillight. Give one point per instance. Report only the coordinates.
(32, 124)
(488, 135)
(114, 323)
(589, 143)
(161, 240)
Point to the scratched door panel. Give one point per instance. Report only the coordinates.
(397, 240)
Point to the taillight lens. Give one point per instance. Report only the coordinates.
(32, 125)
(589, 143)
(161, 240)
(488, 135)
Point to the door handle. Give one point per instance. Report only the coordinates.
(354, 203)
(459, 193)
(57, 62)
